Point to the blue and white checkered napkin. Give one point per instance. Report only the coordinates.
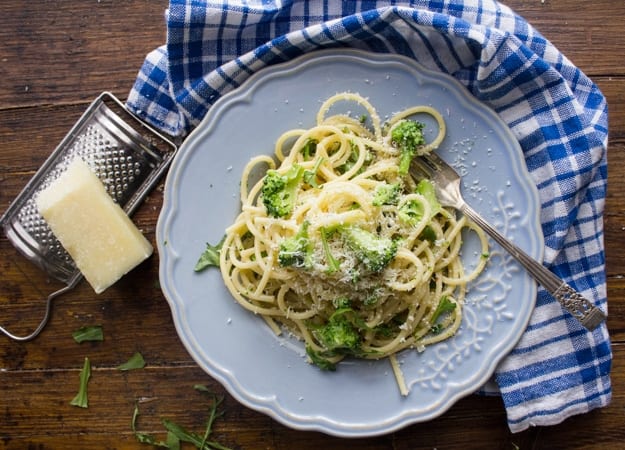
(558, 369)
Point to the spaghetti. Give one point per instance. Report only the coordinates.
(358, 259)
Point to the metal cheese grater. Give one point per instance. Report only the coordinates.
(127, 155)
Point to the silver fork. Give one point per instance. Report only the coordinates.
(447, 184)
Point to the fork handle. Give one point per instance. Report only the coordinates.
(580, 307)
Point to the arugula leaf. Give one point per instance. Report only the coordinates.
(173, 443)
(88, 333)
(136, 361)
(428, 234)
(181, 433)
(310, 148)
(184, 435)
(210, 256)
(200, 387)
(444, 306)
(213, 414)
(81, 399)
(310, 176)
(333, 263)
(146, 438)
(435, 329)
(319, 361)
(426, 188)
(177, 433)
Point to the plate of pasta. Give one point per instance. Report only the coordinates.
(313, 276)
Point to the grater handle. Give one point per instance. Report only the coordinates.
(46, 316)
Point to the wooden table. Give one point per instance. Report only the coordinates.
(56, 56)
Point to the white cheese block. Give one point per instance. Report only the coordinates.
(95, 231)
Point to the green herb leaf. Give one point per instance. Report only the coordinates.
(173, 443)
(310, 176)
(136, 361)
(319, 361)
(177, 433)
(428, 234)
(333, 263)
(184, 435)
(426, 188)
(80, 399)
(444, 306)
(146, 438)
(210, 256)
(181, 433)
(309, 148)
(213, 414)
(88, 333)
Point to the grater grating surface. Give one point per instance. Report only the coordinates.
(127, 156)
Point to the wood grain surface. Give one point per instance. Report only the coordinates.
(56, 56)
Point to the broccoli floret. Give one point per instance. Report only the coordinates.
(386, 194)
(279, 191)
(373, 251)
(407, 136)
(339, 334)
(296, 251)
(411, 212)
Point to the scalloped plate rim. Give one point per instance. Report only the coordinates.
(173, 296)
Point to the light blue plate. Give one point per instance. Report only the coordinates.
(270, 374)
